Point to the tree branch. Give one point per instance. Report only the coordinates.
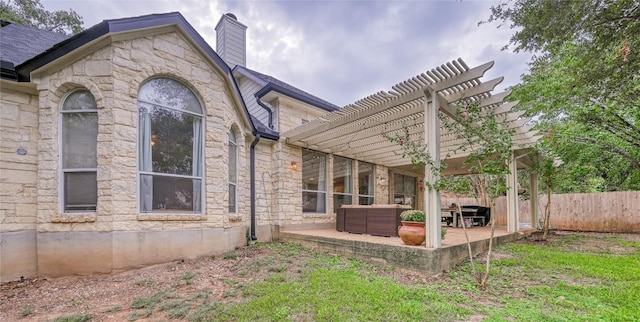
(635, 163)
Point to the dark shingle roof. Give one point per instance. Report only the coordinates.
(292, 91)
(21, 43)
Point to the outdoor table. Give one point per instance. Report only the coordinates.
(448, 213)
(467, 213)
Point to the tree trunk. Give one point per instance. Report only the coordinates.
(547, 214)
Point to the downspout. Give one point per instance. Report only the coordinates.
(261, 104)
(252, 156)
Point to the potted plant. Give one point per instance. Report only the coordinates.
(412, 231)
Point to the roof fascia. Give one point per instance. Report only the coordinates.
(28, 88)
(285, 91)
(239, 69)
(8, 70)
(61, 49)
(60, 62)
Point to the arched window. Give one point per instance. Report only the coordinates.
(79, 136)
(169, 147)
(233, 172)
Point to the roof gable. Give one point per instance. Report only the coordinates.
(114, 26)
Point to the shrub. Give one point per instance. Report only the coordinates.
(413, 215)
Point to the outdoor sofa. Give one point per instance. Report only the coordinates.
(377, 220)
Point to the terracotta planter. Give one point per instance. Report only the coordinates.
(412, 233)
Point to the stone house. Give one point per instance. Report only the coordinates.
(134, 143)
(88, 123)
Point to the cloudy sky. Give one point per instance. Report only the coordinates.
(340, 51)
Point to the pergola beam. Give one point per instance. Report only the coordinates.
(375, 136)
(383, 150)
(394, 160)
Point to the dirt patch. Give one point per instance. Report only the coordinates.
(109, 296)
(587, 242)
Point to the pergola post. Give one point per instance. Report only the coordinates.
(432, 196)
(533, 189)
(512, 195)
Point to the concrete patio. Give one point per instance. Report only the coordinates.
(391, 250)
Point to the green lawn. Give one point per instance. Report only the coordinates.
(562, 281)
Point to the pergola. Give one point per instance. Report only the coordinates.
(355, 131)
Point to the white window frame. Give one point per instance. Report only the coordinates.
(233, 144)
(324, 192)
(62, 170)
(404, 194)
(202, 176)
(372, 181)
(350, 184)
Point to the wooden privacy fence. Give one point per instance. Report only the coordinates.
(601, 212)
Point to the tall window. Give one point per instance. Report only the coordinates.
(79, 133)
(342, 182)
(233, 171)
(169, 147)
(404, 190)
(314, 183)
(366, 182)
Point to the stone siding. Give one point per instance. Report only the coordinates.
(18, 181)
(265, 213)
(288, 182)
(288, 185)
(18, 172)
(291, 114)
(382, 185)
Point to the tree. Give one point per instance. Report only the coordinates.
(543, 164)
(601, 139)
(583, 82)
(487, 140)
(32, 13)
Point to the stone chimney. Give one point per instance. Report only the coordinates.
(231, 40)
